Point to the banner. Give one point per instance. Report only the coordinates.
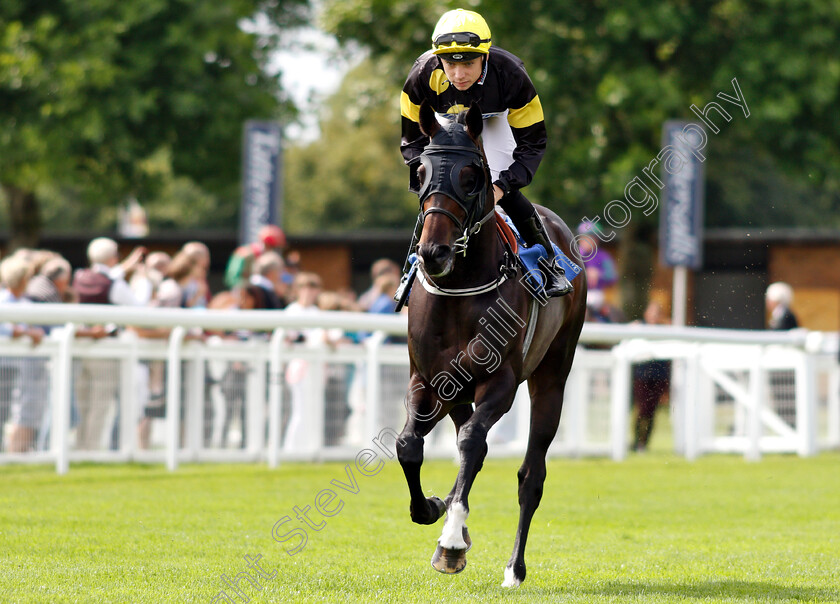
(262, 178)
(681, 217)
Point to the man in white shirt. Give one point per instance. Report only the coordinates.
(97, 380)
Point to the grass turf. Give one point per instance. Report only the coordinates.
(652, 529)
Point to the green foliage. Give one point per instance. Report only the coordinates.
(90, 90)
(353, 177)
(609, 75)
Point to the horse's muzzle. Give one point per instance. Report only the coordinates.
(437, 259)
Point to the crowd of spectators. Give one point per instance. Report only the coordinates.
(260, 275)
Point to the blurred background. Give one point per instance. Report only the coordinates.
(134, 110)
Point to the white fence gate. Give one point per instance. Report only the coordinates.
(253, 396)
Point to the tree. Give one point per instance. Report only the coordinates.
(610, 74)
(353, 177)
(92, 90)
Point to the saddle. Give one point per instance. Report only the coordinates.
(527, 257)
(506, 233)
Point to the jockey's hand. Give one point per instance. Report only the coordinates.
(497, 193)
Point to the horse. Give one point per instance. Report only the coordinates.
(475, 332)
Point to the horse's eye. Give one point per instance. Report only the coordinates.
(469, 180)
(421, 173)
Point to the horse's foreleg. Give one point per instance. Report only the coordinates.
(494, 399)
(422, 417)
(546, 389)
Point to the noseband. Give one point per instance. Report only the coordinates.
(450, 151)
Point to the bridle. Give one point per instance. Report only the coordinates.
(444, 161)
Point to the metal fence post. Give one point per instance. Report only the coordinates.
(833, 411)
(691, 426)
(620, 399)
(173, 396)
(275, 394)
(806, 404)
(752, 451)
(128, 399)
(255, 407)
(374, 389)
(62, 386)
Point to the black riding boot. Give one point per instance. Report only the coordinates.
(533, 231)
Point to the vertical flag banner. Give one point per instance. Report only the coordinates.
(681, 217)
(262, 178)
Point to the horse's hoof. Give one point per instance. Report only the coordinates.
(439, 505)
(435, 509)
(512, 578)
(449, 561)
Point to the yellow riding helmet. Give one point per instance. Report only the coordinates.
(461, 31)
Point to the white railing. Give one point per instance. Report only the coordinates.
(722, 394)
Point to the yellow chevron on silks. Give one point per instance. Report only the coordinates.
(456, 109)
(528, 115)
(408, 109)
(438, 81)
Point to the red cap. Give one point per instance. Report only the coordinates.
(272, 236)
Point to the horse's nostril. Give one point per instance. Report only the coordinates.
(441, 253)
(434, 256)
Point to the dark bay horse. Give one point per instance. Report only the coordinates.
(475, 332)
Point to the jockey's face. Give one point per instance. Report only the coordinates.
(462, 74)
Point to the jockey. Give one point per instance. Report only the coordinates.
(461, 68)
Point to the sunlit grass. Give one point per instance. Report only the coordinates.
(652, 529)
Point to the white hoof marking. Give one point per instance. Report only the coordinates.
(510, 578)
(452, 536)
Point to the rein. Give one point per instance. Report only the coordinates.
(507, 270)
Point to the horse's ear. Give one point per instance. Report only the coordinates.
(428, 122)
(475, 123)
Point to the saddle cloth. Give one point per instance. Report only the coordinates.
(530, 255)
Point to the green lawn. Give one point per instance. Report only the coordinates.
(652, 529)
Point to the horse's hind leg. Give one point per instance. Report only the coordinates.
(422, 417)
(546, 387)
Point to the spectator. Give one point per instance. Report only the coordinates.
(51, 284)
(240, 264)
(231, 378)
(104, 282)
(23, 394)
(178, 289)
(651, 381)
(96, 384)
(338, 376)
(383, 266)
(148, 277)
(600, 274)
(385, 286)
(173, 292)
(201, 254)
(778, 300)
(306, 288)
(292, 265)
(37, 259)
(268, 276)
